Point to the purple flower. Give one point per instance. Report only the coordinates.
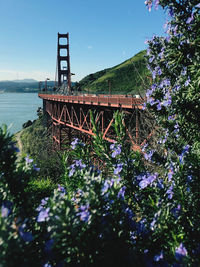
(151, 101)
(13, 147)
(176, 127)
(36, 168)
(146, 179)
(165, 138)
(156, 3)
(159, 71)
(166, 82)
(159, 106)
(145, 145)
(190, 19)
(144, 183)
(144, 106)
(175, 30)
(170, 174)
(72, 171)
(6, 208)
(166, 24)
(149, 4)
(151, 59)
(184, 71)
(28, 160)
(171, 117)
(153, 87)
(112, 146)
(43, 215)
(79, 164)
(74, 143)
(187, 82)
(62, 190)
(42, 204)
(141, 228)
(84, 213)
(185, 151)
(159, 256)
(149, 155)
(154, 74)
(176, 88)
(189, 178)
(105, 187)
(170, 192)
(117, 151)
(49, 245)
(171, 11)
(167, 103)
(118, 168)
(176, 211)
(180, 252)
(26, 236)
(168, 38)
(108, 184)
(152, 224)
(121, 192)
(198, 6)
(160, 184)
(149, 93)
(152, 178)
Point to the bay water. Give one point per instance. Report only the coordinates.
(18, 108)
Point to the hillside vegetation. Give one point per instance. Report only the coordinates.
(131, 76)
(36, 142)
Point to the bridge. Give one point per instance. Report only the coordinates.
(68, 114)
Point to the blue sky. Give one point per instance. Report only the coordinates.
(103, 33)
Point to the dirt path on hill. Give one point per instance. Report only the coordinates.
(19, 144)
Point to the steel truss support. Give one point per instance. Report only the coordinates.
(69, 119)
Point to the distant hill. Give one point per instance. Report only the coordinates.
(22, 86)
(131, 76)
(25, 81)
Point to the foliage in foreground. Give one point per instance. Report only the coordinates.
(141, 209)
(36, 143)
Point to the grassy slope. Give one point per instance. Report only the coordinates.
(127, 77)
(36, 143)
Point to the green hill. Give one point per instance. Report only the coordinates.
(128, 77)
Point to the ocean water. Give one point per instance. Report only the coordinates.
(17, 108)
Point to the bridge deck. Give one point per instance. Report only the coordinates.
(98, 100)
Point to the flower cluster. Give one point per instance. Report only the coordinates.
(146, 179)
(116, 150)
(77, 165)
(43, 211)
(77, 142)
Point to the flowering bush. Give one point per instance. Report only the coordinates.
(138, 209)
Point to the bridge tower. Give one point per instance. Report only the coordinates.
(63, 61)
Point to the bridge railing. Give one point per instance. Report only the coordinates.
(76, 93)
(95, 99)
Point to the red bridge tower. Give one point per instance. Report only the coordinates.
(63, 61)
